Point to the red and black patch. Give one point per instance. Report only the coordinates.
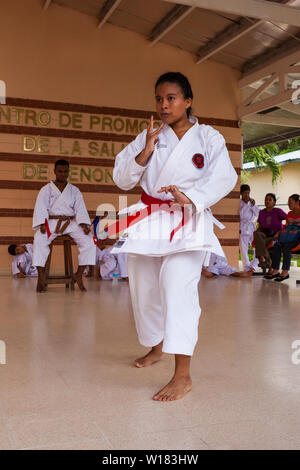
(198, 160)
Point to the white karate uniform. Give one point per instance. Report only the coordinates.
(111, 264)
(25, 260)
(51, 201)
(248, 214)
(218, 265)
(164, 275)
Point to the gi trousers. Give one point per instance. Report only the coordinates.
(245, 241)
(85, 244)
(165, 300)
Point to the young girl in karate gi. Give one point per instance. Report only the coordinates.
(185, 163)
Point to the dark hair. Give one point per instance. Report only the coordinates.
(245, 187)
(181, 81)
(12, 250)
(61, 162)
(272, 195)
(296, 197)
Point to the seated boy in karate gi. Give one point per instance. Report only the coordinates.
(218, 266)
(60, 210)
(108, 264)
(22, 263)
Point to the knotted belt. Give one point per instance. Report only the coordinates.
(153, 205)
(59, 228)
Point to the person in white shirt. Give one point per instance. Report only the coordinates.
(248, 214)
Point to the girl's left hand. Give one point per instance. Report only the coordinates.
(180, 198)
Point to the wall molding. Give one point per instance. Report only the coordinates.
(85, 188)
(46, 158)
(88, 135)
(86, 108)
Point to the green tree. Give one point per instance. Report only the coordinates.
(264, 156)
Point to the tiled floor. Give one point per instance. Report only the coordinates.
(69, 383)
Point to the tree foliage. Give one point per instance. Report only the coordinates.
(265, 156)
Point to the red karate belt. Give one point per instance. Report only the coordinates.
(153, 205)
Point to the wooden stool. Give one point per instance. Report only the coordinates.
(68, 277)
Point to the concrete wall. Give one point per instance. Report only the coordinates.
(261, 184)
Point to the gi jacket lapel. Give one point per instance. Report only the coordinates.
(172, 165)
(61, 203)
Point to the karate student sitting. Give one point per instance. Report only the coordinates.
(22, 262)
(182, 167)
(60, 210)
(108, 264)
(218, 266)
(248, 213)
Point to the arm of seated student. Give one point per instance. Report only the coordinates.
(21, 273)
(43, 228)
(85, 228)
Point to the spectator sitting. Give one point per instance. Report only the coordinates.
(287, 239)
(270, 222)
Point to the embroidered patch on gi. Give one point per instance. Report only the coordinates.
(198, 160)
(161, 146)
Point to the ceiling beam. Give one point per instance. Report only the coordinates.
(261, 89)
(277, 64)
(226, 37)
(260, 9)
(291, 108)
(107, 10)
(272, 55)
(47, 4)
(172, 18)
(230, 34)
(276, 137)
(272, 120)
(275, 100)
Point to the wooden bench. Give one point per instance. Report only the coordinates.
(67, 279)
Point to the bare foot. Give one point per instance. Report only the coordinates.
(245, 274)
(153, 356)
(207, 273)
(80, 284)
(40, 287)
(175, 389)
(41, 283)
